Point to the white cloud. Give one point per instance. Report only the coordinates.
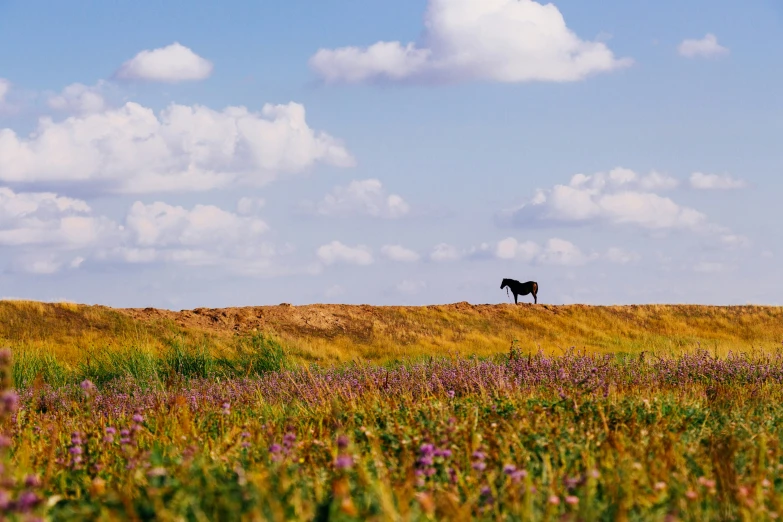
(45, 233)
(40, 266)
(399, 253)
(171, 64)
(620, 197)
(201, 236)
(362, 197)
(79, 98)
(185, 148)
(161, 225)
(445, 252)
(247, 206)
(564, 253)
(5, 88)
(44, 218)
(510, 248)
(705, 47)
(702, 181)
(410, 287)
(555, 251)
(489, 40)
(656, 181)
(336, 252)
(621, 256)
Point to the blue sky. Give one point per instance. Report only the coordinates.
(181, 154)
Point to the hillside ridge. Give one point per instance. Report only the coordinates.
(336, 332)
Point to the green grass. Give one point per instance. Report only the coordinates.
(251, 356)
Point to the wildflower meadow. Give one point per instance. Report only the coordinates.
(517, 436)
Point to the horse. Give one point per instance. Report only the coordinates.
(530, 287)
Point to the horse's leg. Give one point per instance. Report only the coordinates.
(515, 298)
(535, 297)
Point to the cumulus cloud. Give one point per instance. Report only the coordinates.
(79, 98)
(702, 181)
(44, 218)
(488, 40)
(555, 251)
(362, 197)
(162, 225)
(702, 48)
(185, 148)
(336, 252)
(510, 248)
(445, 252)
(201, 236)
(564, 253)
(399, 253)
(247, 206)
(620, 197)
(171, 64)
(45, 233)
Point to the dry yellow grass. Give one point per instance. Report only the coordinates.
(338, 333)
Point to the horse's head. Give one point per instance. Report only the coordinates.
(504, 283)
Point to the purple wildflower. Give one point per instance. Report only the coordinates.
(343, 462)
(27, 501)
(342, 442)
(486, 495)
(32, 481)
(426, 460)
(10, 401)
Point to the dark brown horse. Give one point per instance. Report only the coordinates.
(531, 287)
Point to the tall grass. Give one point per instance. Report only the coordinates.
(251, 356)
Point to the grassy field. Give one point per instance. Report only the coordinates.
(391, 413)
(73, 334)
